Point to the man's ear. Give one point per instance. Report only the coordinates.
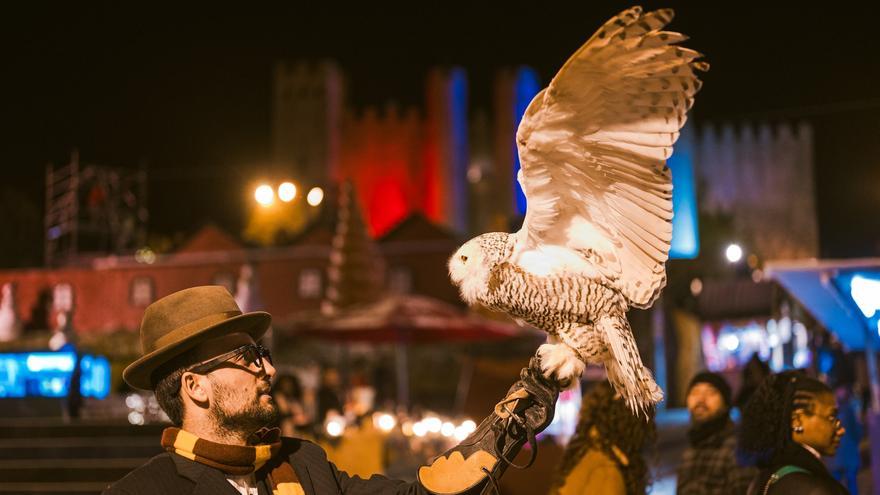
(196, 387)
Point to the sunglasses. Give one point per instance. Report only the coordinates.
(250, 355)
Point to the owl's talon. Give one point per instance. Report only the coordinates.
(560, 363)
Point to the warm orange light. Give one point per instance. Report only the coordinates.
(264, 195)
(287, 191)
(315, 196)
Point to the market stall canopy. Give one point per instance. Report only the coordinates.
(842, 295)
(407, 319)
(735, 299)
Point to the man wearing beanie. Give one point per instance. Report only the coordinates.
(709, 464)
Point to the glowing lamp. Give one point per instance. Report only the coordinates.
(729, 342)
(264, 195)
(315, 196)
(734, 253)
(419, 429)
(287, 191)
(135, 418)
(447, 429)
(386, 422)
(407, 428)
(335, 427)
(433, 424)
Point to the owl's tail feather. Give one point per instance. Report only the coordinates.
(623, 364)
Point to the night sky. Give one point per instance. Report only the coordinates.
(187, 91)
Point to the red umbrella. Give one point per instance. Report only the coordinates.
(406, 319)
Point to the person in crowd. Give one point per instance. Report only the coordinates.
(790, 422)
(213, 380)
(845, 464)
(753, 375)
(709, 465)
(288, 396)
(330, 396)
(606, 453)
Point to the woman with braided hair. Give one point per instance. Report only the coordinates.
(788, 425)
(605, 454)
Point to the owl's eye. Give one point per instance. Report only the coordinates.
(463, 259)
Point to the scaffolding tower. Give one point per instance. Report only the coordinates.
(93, 210)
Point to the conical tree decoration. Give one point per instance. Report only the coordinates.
(356, 271)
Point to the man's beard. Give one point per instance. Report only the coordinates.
(246, 420)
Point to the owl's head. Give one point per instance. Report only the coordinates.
(469, 267)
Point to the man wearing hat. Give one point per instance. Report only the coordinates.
(212, 378)
(709, 463)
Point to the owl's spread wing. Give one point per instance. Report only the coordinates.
(593, 147)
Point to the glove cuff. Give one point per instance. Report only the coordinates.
(484, 455)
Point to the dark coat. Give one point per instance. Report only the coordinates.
(709, 465)
(172, 474)
(817, 481)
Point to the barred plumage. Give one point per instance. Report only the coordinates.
(595, 239)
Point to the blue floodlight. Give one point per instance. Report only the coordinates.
(685, 232)
(527, 85)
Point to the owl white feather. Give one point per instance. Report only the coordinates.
(593, 147)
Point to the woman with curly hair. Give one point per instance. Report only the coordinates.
(788, 425)
(605, 454)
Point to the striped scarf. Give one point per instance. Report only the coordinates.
(238, 460)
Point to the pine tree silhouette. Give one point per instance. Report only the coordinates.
(357, 269)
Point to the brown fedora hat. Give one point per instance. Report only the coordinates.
(178, 322)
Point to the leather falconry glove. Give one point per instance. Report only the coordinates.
(484, 455)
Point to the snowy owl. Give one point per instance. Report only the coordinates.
(593, 147)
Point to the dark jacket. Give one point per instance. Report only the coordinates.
(709, 465)
(817, 481)
(172, 474)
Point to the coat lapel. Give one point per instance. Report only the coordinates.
(208, 481)
(302, 472)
